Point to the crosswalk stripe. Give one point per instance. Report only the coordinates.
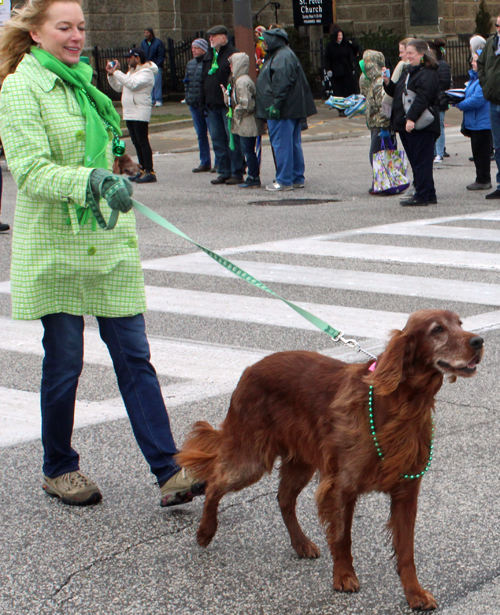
(382, 253)
(174, 358)
(322, 277)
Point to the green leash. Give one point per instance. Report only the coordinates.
(336, 335)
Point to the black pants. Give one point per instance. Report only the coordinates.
(419, 146)
(139, 134)
(481, 143)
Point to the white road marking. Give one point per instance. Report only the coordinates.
(322, 277)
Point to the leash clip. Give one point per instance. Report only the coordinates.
(352, 344)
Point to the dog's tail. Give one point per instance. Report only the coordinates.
(200, 450)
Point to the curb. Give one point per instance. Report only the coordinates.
(305, 139)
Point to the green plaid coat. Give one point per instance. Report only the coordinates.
(57, 265)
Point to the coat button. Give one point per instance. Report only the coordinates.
(91, 251)
(132, 242)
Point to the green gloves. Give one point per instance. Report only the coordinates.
(115, 189)
(274, 114)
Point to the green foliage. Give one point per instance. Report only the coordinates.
(483, 20)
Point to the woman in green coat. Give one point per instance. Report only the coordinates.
(59, 134)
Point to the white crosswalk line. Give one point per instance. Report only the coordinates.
(361, 281)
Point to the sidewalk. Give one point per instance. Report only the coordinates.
(179, 135)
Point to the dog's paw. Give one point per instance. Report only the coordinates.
(346, 582)
(421, 600)
(307, 550)
(204, 538)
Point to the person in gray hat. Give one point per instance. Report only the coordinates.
(216, 73)
(193, 84)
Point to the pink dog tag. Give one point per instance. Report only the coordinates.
(372, 367)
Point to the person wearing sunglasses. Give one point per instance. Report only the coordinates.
(488, 69)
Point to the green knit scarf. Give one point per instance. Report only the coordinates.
(102, 120)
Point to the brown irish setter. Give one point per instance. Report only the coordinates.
(314, 413)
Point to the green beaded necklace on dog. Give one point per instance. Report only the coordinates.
(377, 445)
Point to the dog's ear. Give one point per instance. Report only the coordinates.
(394, 363)
(116, 166)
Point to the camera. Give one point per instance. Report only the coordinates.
(112, 64)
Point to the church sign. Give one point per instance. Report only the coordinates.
(312, 12)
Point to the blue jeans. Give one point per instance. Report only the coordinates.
(440, 143)
(156, 94)
(200, 125)
(286, 142)
(62, 365)
(248, 151)
(230, 162)
(495, 131)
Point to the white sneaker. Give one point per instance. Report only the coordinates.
(438, 159)
(158, 104)
(275, 187)
(297, 186)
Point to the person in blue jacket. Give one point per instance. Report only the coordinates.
(477, 125)
(155, 52)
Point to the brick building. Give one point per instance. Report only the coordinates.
(115, 23)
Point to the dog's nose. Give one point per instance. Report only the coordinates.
(476, 342)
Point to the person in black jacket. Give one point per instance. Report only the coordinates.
(193, 84)
(216, 73)
(155, 52)
(421, 78)
(283, 100)
(341, 63)
(445, 80)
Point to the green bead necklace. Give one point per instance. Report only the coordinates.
(377, 445)
(118, 145)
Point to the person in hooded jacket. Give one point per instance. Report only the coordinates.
(193, 83)
(420, 77)
(241, 99)
(284, 98)
(136, 88)
(341, 62)
(371, 85)
(476, 111)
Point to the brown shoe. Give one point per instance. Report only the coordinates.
(181, 488)
(202, 169)
(72, 488)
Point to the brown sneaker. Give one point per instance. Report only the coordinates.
(73, 488)
(181, 488)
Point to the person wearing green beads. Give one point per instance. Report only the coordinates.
(74, 245)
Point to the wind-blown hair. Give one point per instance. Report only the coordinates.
(15, 38)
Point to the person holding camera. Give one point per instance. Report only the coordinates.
(136, 87)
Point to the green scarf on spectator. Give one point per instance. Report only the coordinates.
(100, 115)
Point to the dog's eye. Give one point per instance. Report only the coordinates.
(437, 329)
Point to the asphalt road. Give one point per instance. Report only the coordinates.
(127, 555)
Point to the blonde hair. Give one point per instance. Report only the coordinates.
(15, 38)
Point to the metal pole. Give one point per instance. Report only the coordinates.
(243, 31)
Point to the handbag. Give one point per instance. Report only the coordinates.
(390, 171)
(427, 116)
